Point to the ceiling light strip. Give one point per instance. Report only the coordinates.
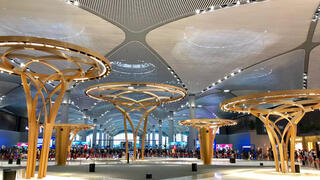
(235, 3)
(230, 75)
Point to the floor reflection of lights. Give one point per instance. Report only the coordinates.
(219, 162)
(267, 174)
(255, 174)
(68, 176)
(170, 168)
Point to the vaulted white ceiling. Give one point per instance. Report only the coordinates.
(206, 47)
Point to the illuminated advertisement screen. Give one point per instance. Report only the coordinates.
(22, 144)
(80, 143)
(40, 140)
(198, 144)
(223, 146)
(178, 143)
(218, 131)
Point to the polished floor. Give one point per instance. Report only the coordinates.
(180, 169)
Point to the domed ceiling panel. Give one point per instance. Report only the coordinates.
(314, 66)
(212, 102)
(316, 35)
(58, 20)
(279, 73)
(206, 47)
(6, 87)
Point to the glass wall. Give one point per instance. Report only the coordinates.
(119, 140)
(181, 138)
(99, 138)
(89, 139)
(155, 141)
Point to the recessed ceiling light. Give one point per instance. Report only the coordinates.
(68, 2)
(226, 90)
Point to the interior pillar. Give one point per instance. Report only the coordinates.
(100, 136)
(84, 133)
(205, 145)
(149, 137)
(171, 129)
(160, 134)
(65, 107)
(192, 137)
(153, 136)
(62, 143)
(94, 135)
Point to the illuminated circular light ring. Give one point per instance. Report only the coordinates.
(136, 87)
(145, 105)
(74, 126)
(58, 51)
(245, 103)
(207, 123)
(57, 48)
(207, 131)
(289, 106)
(138, 69)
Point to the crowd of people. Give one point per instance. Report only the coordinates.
(308, 158)
(305, 158)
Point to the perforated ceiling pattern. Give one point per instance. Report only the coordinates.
(124, 62)
(139, 15)
(135, 54)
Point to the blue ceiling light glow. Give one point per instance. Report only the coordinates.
(137, 68)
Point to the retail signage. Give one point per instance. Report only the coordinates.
(80, 143)
(40, 141)
(223, 146)
(178, 143)
(22, 144)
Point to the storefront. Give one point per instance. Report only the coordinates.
(308, 143)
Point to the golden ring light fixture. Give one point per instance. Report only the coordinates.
(208, 129)
(135, 96)
(40, 61)
(280, 111)
(52, 50)
(208, 123)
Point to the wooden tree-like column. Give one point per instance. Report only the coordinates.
(65, 134)
(135, 96)
(280, 111)
(46, 67)
(208, 129)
